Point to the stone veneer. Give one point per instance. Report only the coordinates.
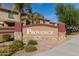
(62, 31)
(18, 31)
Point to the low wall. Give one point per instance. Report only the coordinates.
(7, 30)
(35, 31)
(39, 32)
(32, 32)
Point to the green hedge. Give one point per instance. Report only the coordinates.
(9, 50)
(30, 48)
(5, 51)
(16, 45)
(7, 37)
(32, 42)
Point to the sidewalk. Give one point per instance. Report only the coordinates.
(69, 48)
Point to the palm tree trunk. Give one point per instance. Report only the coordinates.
(21, 27)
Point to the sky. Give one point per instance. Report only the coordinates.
(45, 9)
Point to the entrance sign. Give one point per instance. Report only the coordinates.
(30, 31)
(41, 32)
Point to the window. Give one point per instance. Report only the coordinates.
(10, 24)
(10, 15)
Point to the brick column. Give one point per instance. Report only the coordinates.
(18, 31)
(61, 31)
(61, 27)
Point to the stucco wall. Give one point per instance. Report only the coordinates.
(53, 36)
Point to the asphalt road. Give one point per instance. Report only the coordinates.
(69, 48)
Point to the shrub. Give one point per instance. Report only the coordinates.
(16, 45)
(32, 42)
(7, 37)
(30, 48)
(5, 51)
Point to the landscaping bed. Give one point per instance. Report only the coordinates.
(42, 46)
(5, 51)
(8, 45)
(8, 48)
(18, 48)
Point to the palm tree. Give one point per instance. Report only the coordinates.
(34, 17)
(29, 18)
(37, 17)
(20, 8)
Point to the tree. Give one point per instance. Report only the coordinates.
(37, 17)
(20, 7)
(31, 17)
(67, 13)
(34, 17)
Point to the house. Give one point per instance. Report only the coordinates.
(8, 17)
